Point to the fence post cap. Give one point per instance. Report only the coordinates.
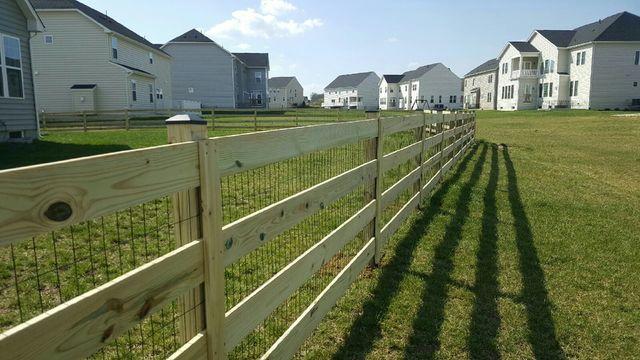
(182, 119)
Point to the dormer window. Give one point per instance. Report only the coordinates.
(114, 47)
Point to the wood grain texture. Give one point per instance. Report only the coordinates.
(287, 345)
(398, 219)
(401, 156)
(194, 349)
(256, 229)
(92, 186)
(249, 313)
(392, 125)
(83, 325)
(391, 194)
(248, 151)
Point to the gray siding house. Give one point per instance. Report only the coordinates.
(18, 120)
(205, 72)
(481, 86)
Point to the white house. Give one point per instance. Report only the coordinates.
(427, 87)
(353, 91)
(86, 60)
(595, 66)
(285, 92)
(481, 85)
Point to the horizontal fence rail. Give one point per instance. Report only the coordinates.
(228, 247)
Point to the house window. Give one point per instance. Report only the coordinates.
(48, 39)
(432, 99)
(190, 90)
(550, 89)
(134, 91)
(11, 68)
(114, 47)
(635, 84)
(545, 90)
(440, 99)
(571, 88)
(490, 80)
(637, 62)
(414, 87)
(258, 77)
(488, 97)
(391, 90)
(505, 68)
(150, 93)
(473, 82)
(577, 59)
(575, 88)
(584, 56)
(150, 58)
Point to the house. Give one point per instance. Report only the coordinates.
(427, 87)
(595, 66)
(481, 86)
(18, 23)
(353, 91)
(389, 90)
(251, 72)
(285, 92)
(88, 61)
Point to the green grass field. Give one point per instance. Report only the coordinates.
(528, 250)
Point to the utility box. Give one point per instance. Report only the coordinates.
(83, 97)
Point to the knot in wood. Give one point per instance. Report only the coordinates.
(59, 211)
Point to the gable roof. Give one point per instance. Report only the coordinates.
(280, 82)
(414, 74)
(254, 59)
(192, 35)
(523, 46)
(489, 65)
(96, 16)
(622, 26)
(348, 80)
(392, 79)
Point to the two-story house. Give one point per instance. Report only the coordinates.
(481, 86)
(595, 66)
(427, 87)
(285, 92)
(389, 90)
(18, 23)
(251, 74)
(353, 91)
(86, 61)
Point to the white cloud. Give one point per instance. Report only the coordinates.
(392, 40)
(243, 46)
(276, 7)
(265, 23)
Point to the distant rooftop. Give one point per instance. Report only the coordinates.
(254, 59)
(280, 82)
(489, 65)
(348, 80)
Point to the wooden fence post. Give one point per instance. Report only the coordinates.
(255, 120)
(126, 119)
(84, 121)
(44, 120)
(377, 222)
(297, 120)
(187, 222)
(213, 120)
(423, 132)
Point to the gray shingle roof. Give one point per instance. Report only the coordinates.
(192, 35)
(97, 16)
(414, 74)
(622, 26)
(523, 46)
(392, 79)
(348, 80)
(254, 59)
(489, 65)
(280, 82)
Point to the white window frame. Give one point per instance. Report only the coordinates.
(48, 37)
(4, 67)
(114, 41)
(151, 59)
(151, 93)
(258, 77)
(134, 90)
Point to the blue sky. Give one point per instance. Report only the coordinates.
(318, 40)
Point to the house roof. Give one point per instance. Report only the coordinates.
(280, 82)
(34, 22)
(489, 65)
(348, 80)
(192, 35)
(254, 59)
(133, 69)
(622, 26)
(523, 46)
(414, 74)
(392, 79)
(95, 15)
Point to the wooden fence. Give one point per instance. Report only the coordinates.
(235, 119)
(212, 234)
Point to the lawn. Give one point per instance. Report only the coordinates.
(529, 250)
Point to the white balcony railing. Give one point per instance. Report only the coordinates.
(524, 73)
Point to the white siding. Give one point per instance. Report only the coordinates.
(481, 82)
(613, 74)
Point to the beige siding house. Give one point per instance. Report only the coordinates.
(285, 92)
(481, 85)
(85, 60)
(595, 66)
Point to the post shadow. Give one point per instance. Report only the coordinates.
(423, 342)
(367, 328)
(542, 332)
(485, 317)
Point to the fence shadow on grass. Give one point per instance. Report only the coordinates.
(15, 155)
(367, 328)
(542, 332)
(485, 318)
(424, 340)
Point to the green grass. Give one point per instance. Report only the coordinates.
(528, 250)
